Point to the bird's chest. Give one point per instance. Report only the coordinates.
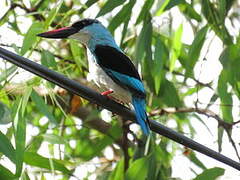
(104, 82)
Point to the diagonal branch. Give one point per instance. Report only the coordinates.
(109, 104)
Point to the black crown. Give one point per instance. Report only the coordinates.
(83, 23)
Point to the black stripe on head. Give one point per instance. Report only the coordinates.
(83, 23)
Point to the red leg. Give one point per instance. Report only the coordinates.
(105, 93)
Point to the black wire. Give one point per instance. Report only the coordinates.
(94, 97)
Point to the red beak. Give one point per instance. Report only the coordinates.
(59, 33)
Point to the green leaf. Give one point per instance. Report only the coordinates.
(169, 94)
(220, 138)
(76, 52)
(48, 60)
(230, 59)
(195, 48)
(158, 62)
(153, 164)
(162, 7)
(89, 149)
(52, 14)
(30, 37)
(225, 97)
(42, 107)
(124, 32)
(6, 148)
(176, 47)
(189, 11)
(144, 11)
(192, 156)
(20, 138)
(109, 6)
(5, 114)
(88, 4)
(8, 72)
(210, 174)
(222, 9)
(216, 22)
(25, 176)
(26, 96)
(5, 173)
(35, 159)
(138, 169)
(143, 41)
(121, 16)
(173, 3)
(54, 139)
(118, 172)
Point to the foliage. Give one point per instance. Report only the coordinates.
(54, 132)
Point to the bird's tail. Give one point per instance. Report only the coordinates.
(141, 116)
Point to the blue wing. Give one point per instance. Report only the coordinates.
(120, 68)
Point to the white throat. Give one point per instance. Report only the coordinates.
(82, 37)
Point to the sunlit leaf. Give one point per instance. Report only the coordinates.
(192, 156)
(118, 172)
(35, 159)
(76, 52)
(138, 169)
(158, 62)
(25, 99)
(226, 98)
(162, 7)
(145, 10)
(30, 37)
(20, 138)
(189, 11)
(210, 174)
(121, 16)
(109, 6)
(176, 47)
(195, 48)
(174, 3)
(143, 41)
(215, 21)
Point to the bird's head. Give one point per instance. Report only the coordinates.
(83, 31)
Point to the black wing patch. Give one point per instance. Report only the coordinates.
(111, 58)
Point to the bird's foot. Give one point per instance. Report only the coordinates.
(106, 93)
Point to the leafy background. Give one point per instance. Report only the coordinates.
(188, 55)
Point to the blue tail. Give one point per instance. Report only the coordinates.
(141, 116)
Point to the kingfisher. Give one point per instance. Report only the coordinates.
(110, 69)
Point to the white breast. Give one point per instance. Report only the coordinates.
(104, 82)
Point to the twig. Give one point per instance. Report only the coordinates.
(197, 81)
(227, 126)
